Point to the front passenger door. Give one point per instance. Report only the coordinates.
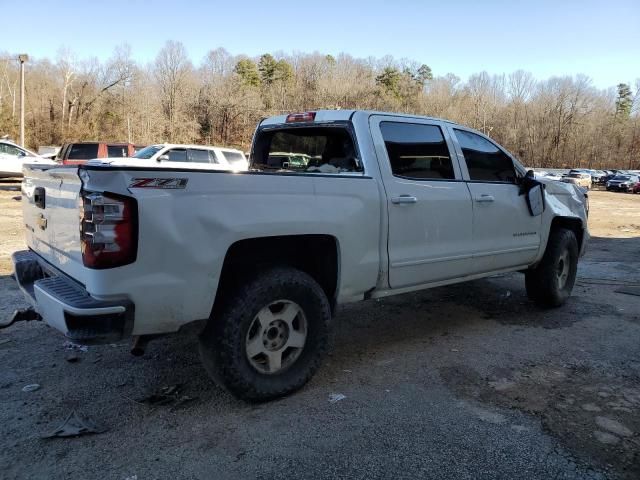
(505, 234)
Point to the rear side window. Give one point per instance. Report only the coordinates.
(83, 151)
(485, 161)
(417, 151)
(117, 151)
(306, 150)
(199, 156)
(234, 157)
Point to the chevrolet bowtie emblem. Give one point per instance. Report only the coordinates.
(42, 222)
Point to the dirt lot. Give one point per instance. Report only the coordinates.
(468, 381)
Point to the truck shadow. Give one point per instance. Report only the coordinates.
(610, 263)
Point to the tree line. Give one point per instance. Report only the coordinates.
(556, 122)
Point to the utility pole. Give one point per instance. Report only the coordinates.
(23, 57)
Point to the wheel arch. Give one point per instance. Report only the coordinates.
(315, 254)
(574, 224)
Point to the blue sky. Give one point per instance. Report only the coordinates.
(600, 39)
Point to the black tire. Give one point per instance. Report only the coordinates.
(223, 344)
(545, 284)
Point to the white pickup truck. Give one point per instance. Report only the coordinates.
(375, 204)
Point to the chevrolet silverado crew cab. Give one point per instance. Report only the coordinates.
(258, 260)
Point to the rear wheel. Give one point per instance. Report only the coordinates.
(270, 337)
(551, 282)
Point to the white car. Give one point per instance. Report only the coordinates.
(257, 261)
(170, 155)
(13, 157)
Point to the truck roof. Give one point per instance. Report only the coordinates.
(345, 115)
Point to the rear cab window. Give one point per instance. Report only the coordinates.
(326, 149)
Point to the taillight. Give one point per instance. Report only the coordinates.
(108, 229)
(301, 117)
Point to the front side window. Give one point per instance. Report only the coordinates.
(177, 155)
(306, 150)
(417, 151)
(9, 149)
(485, 161)
(83, 151)
(198, 156)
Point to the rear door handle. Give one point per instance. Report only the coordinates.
(485, 198)
(402, 199)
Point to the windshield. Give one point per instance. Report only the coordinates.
(621, 177)
(148, 152)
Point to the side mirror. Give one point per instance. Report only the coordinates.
(530, 174)
(163, 158)
(535, 200)
(21, 153)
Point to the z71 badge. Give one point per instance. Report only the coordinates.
(169, 183)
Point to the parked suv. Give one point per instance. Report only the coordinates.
(80, 152)
(169, 155)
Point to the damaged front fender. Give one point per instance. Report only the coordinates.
(566, 202)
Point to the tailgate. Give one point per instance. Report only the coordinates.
(51, 216)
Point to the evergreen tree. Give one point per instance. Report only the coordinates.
(389, 79)
(248, 72)
(423, 74)
(624, 101)
(283, 72)
(267, 67)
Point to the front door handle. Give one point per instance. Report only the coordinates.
(485, 198)
(402, 199)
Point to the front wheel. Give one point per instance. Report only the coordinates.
(270, 337)
(551, 282)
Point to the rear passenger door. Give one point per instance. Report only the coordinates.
(428, 203)
(505, 234)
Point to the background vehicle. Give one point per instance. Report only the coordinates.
(80, 152)
(552, 176)
(48, 151)
(622, 183)
(636, 188)
(578, 178)
(260, 259)
(13, 157)
(174, 155)
(289, 160)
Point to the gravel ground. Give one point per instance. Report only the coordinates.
(467, 381)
